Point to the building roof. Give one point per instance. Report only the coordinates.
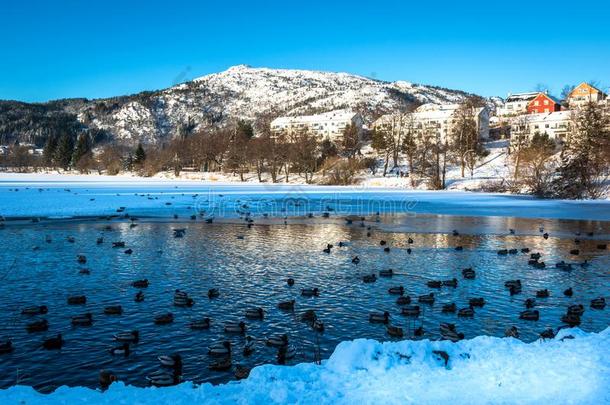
(555, 100)
(522, 97)
(336, 115)
(592, 89)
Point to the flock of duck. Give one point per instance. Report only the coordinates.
(170, 366)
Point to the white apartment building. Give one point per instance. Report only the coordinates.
(326, 125)
(516, 104)
(556, 125)
(432, 120)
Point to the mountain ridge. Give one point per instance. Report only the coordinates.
(211, 101)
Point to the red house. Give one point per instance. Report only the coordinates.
(543, 103)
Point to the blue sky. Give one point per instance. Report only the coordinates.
(57, 49)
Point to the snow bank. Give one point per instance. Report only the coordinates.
(482, 370)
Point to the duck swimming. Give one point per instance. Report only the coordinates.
(468, 273)
(122, 350)
(434, 284)
(235, 327)
(379, 317)
(286, 305)
(530, 303)
(355, 260)
(310, 292)
(164, 319)
(277, 341)
(403, 300)
(394, 331)
(250, 346)
(530, 315)
(113, 310)
(77, 300)
(450, 283)
(213, 293)
(512, 332)
(139, 296)
(411, 311)
(128, 337)
(467, 312)
(220, 349)
(140, 283)
(448, 332)
(221, 365)
(598, 303)
(477, 302)
(571, 319)
(83, 320)
(53, 343)
(399, 290)
(255, 313)
(369, 278)
(6, 346)
(568, 292)
(35, 310)
(200, 324)
(386, 273)
(449, 308)
(577, 309)
(542, 293)
(426, 299)
(38, 326)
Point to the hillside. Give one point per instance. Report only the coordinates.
(241, 92)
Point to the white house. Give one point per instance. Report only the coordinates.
(432, 120)
(555, 124)
(516, 104)
(326, 125)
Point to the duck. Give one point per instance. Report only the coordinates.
(118, 244)
(106, 378)
(379, 317)
(122, 350)
(213, 293)
(598, 303)
(403, 300)
(514, 289)
(355, 260)
(382, 242)
(174, 361)
(77, 300)
(571, 319)
(369, 278)
(459, 248)
(6, 346)
(35, 310)
(568, 292)
(82, 259)
(317, 325)
(545, 235)
(547, 334)
(163, 378)
(128, 337)
(255, 313)
(477, 302)
(512, 332)
(419, 331)
(199, 324)
(542, 293)
(455, 232)
(394, 331)
(113, 310)
(468, 273)
(426, 299)
(467, 312)
(286, 352)
(449, 308)
(53, 343)
(181, 299)
(512, 283)
(434, 284)
(235, 327)
(140, 283)
(85, 272)
(386, 273)
(525, 250)
(535, 256)
(139, 296)
(38, 326)
(530, 303)
(398, 290)
(310, 292)
(277, 341)
(220, 349)
(250, 346)
(71, 239)
(286, 305)
(530, 315)
(242, 372)
(83, 320)
(411, 310)
(448, 332)
(164, 319)
(450, 283)
(503, 252)
(290, 282)
(309, 316)
(575, 252)
(564, 266)
(602, 246)
(576, 309)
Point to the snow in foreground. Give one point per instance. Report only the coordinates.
(482, 370)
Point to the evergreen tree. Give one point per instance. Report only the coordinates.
(63, 152)
(48, 153)
(139, 155)
(83, 146)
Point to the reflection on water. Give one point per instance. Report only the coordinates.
(251, 271)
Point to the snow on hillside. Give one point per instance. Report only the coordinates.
(243, 92)
(573, 368)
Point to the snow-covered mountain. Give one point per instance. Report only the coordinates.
(243, 92)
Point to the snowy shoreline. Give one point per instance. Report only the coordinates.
(574, 367)
(29, 195)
